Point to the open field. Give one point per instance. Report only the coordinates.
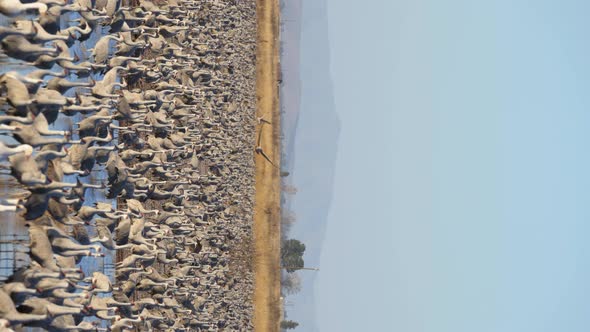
(267, 209)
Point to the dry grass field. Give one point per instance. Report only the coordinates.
(267, 210)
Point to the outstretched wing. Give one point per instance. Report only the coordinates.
(266, 157)
(259, 136)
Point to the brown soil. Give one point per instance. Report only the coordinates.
(267, 291)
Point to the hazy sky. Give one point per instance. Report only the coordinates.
(462, 196)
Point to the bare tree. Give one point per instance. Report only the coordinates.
(291, 283)
(289, 189)
(288, 218)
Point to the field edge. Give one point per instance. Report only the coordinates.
(267, 289)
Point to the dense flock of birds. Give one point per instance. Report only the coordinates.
(164, 105)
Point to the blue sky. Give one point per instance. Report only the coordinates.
(462, 180)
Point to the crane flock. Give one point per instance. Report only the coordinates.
(161, 100)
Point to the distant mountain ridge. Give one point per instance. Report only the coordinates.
(311, 127)
(291, 77)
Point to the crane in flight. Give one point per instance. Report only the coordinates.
(259, 149)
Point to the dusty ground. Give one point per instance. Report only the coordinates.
(267, 306)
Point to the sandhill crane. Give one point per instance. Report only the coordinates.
(63, 325)
(63, 244)
(8, 312)
(43, 307)
(6, 151)
(19, 47)
(15, 8)
(18, 291)
(41, 250)
(101, 283)
(86, 212)
(37, 203)
(36, 30)
(137, 207)
(17, 92)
